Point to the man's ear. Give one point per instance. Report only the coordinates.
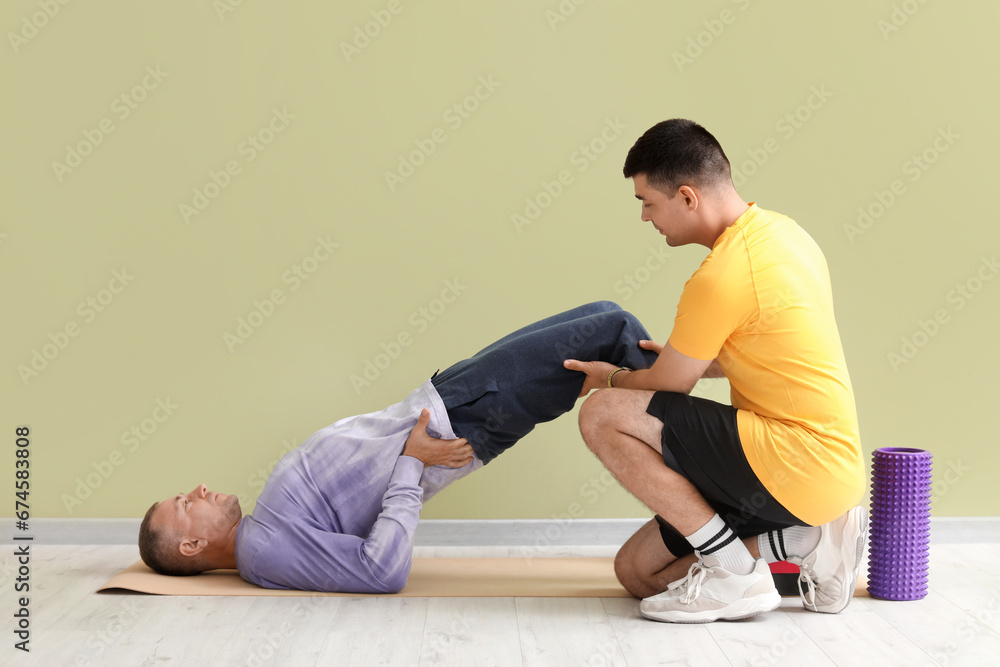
(690, 195)
(192, 546)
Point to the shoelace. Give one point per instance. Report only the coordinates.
(691, 582)
(809, 594)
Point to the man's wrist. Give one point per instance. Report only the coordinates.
(413, 457)
(611, 375)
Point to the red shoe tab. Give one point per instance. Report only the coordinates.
(782, 567)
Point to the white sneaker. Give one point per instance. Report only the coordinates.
(828, 575)
(710, 593)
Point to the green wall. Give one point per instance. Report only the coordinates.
(205, 150)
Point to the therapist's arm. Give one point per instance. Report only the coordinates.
(672, 371)
(713, 371)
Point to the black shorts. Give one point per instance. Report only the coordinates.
(701, 440)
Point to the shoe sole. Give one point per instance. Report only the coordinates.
(740, 609)
(852, 548)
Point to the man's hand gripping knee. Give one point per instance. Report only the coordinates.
(436, 451)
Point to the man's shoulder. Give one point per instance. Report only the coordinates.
(767, 239)
(255, 557)
(251, 536)
(261, 544)
(772, 224)
(258, 534)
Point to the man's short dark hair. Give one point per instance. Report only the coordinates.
(678, 152)
(158, 550)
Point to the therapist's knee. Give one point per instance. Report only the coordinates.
(599, 415)
(628, 573)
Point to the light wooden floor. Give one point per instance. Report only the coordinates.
(958, 623)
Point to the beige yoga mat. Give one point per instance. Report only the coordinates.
(429, 577)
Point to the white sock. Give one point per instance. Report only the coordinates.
(717, 539)
(795, 541)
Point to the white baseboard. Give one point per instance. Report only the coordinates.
(447, 532)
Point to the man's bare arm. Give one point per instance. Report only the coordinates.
(672, 371)
(714, 370)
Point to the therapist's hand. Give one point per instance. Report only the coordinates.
(597, 373)
(651, 345)
(436, 451)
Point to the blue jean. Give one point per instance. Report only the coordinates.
(497, 396)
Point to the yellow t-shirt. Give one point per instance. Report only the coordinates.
(761, 303)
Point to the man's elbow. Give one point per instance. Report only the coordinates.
(394, 580)
(394, 583)
(714, 370)
(678, 385)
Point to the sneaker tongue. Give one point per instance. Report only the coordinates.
(710, 561)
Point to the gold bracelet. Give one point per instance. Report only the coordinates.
(612, 373)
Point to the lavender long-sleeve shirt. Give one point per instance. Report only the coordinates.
(338, 512)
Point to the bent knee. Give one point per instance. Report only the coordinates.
(609, 407)
(597, 414)
(624, 563)
(605, 306)
(628, 574)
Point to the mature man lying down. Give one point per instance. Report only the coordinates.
(338, 512)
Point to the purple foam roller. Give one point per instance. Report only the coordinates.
(899, 541)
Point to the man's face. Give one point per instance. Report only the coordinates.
(199, 514)
(671, 217)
